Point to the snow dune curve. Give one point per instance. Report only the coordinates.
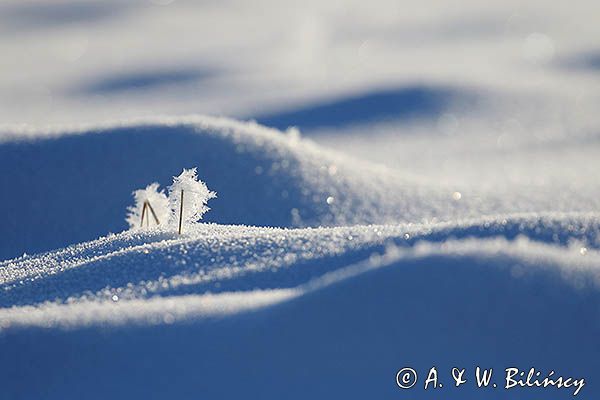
(306, 256)
(69, 185)
(509, 291)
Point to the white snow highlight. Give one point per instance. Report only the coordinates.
(244, 263)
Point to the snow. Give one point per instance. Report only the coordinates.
(268, 179)
(232, 260)
(339, 263)
(399, 185)
(316, 305)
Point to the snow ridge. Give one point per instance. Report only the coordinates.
(212, 263)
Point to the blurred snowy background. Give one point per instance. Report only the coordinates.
(492, 94)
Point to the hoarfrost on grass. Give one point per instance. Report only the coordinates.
(153, 208)
(195, 197)
(159, 207)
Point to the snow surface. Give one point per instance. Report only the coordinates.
(263, 177)
(399, 184)
(337, 309)
(221, 258)
(386, 259)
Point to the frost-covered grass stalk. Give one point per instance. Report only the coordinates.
(154, 208)
(151, 207)
(188, 197)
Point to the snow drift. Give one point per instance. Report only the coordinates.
(325, 311)
(363, 271)
(73, 184)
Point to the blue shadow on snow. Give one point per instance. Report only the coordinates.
(146, 80)
(404, 103)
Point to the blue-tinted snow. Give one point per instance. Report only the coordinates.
(333, 308)
(469, 135)
(445, 278)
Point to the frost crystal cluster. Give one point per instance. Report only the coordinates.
(153, 208)
(195, 197)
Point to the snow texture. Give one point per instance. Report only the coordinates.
(268, 303)
(386, 258)
(269, 178)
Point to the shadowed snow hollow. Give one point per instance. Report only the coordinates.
(70, 185)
